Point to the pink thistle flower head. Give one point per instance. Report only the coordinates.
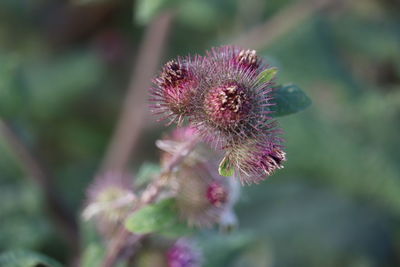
(227, 104)
(234, 102)
(172, 96)
(184, 254)
(257, 159)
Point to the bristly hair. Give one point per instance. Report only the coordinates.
(256, 160)
(174, 89)
(233, 103)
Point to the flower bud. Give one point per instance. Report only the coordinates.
(175, 89)
(184, 254)
(257, 159)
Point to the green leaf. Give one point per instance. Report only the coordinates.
(225, 167)
(93, 255)
(267, 75)
(22, 258)
(289, 99)
(160, 217)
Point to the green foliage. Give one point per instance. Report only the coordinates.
(226, 168)
(50, 84)
(21, 258)
(267, 75)
(93, 255)
(289, 99)
(161, 217)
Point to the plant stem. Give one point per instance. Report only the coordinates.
(125, 239)
(133, 112)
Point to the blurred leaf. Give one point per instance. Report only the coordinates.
(225, 167)
(219, 250)
(88, 2)
(267, 75)
(93, 255)
(201, 14)
(10, 94)
(21, 258)
(159, 217)
(289, 99)
(146, 173)
(54, 85)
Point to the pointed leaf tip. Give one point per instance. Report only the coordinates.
(267, 75)
(225, 167)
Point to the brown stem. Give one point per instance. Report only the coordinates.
(63, 218)
(126, 239)
(133, 112)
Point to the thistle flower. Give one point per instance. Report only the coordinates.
(255, 160)
(184, 254)
(172, 96)
(234, 102)
(110, 199)
(202, 194)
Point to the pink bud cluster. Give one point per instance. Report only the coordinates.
(224, 97)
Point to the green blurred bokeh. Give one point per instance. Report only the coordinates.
(64, 70)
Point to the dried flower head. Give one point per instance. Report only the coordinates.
(110, 199)
(172, 96)
(184, 253)
(234, 102)
(257, 159)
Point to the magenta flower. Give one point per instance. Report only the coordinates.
(184, 254)
(227, 100)
(234, 102)
(175, 88)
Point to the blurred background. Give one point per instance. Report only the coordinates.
(73, 80)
